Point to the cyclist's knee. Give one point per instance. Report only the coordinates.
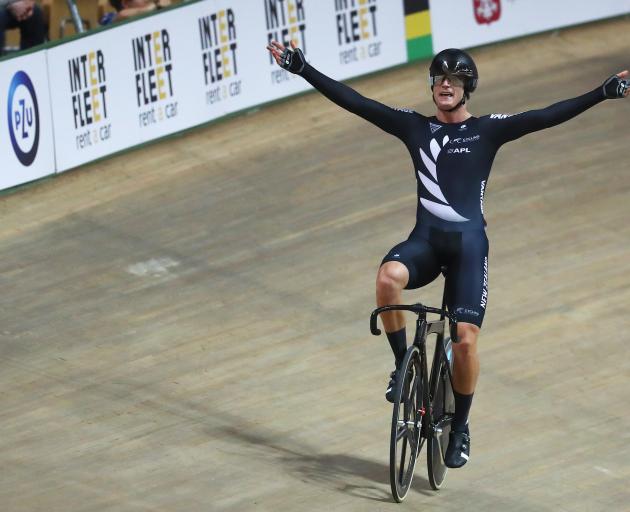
(392, 277)
(467, 335)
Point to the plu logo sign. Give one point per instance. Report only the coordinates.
(286, 22)
(89, 98)
(153, 66)
(23, 114)
(217, 34)
(357, 30)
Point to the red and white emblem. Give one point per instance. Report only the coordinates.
(487, 11)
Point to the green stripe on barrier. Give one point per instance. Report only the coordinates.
(419, 48)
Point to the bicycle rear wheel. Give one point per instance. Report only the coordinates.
(406, 441)
(442, 410)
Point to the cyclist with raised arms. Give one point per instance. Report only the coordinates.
(452, 153)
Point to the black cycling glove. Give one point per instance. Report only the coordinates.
(293, 60)
(615, 87)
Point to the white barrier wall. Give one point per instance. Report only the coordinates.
(165, 73)
(467, 23)
(26, 133)
(138, 81)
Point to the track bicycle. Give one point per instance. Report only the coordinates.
(423, 404)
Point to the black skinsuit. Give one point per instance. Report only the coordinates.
(452, 162)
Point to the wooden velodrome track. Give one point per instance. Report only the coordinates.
(185, 327)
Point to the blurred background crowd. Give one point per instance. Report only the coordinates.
(28, 23)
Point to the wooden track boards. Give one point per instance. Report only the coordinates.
(185, 327)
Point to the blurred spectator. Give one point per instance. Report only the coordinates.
(129, 8)
(25, 15)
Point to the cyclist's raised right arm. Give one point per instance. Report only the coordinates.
(389, 119)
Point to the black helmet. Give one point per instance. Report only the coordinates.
(457, 63)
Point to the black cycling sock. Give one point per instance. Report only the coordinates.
(398, 342)
(462, 408)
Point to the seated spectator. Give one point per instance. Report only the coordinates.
(25, 15)
(126, 9)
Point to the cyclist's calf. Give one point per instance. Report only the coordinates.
(466, 360)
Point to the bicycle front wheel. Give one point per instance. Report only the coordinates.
(442, 410)
(406, 441)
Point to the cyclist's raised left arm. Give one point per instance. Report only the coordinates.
(507, 127)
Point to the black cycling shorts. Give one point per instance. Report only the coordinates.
(465, 254)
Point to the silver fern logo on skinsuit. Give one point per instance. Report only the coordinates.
(442, 210)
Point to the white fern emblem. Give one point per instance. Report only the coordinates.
(443, 211)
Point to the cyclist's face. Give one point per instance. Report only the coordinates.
(447, 91)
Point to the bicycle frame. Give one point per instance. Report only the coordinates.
(424, 328)
(430, 416)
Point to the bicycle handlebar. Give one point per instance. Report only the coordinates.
(418, 309)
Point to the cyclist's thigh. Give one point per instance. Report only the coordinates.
(418, 256)
(467, 278)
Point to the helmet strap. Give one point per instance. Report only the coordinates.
(458, 105)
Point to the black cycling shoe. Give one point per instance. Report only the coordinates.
(458, 450)
(391, 387)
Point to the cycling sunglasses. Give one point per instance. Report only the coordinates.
(454, 80)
